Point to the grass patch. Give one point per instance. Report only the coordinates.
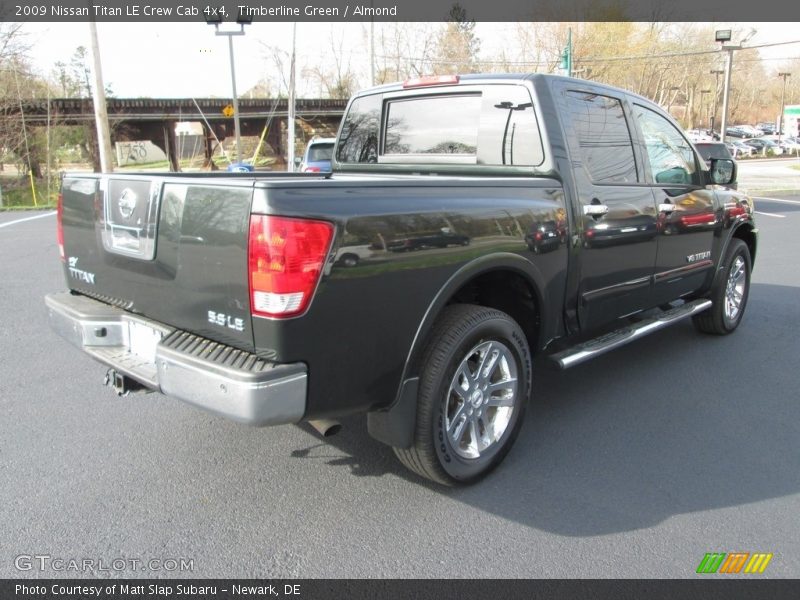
(17, 195)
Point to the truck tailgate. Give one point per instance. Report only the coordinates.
(174, 251)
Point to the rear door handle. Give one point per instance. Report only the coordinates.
(595, 210)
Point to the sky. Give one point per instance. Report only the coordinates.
(164, 60)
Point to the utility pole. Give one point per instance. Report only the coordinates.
(372, 46)
(716, 73)
(783, 105)
(290, 116)
(99, 101)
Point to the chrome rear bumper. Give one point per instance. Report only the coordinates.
(218, 378)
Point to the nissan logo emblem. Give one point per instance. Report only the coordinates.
(127, 203)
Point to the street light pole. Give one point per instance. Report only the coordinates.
(723, 128)
(242, 21)
(236, 127)
(723, 36)
(783, 105)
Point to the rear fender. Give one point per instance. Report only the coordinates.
(395, 425)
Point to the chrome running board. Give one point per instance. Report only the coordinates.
(624, 335)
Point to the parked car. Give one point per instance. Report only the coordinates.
(767, 128)
(751, 131)
(790, 145)
(765, 146)
(699, 135)
(426, 240)
(735, 131)
(543, 237)
(738, 149)
(743, 131)
(350, 256)
(317, 157)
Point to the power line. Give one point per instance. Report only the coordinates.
(589, 60)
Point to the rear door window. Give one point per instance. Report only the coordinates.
(603, 137)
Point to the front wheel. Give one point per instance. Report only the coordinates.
(473, 390)
(730, 292)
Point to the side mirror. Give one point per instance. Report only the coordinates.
(723, 171)
(297, 161)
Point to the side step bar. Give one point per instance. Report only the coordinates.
(605, 343)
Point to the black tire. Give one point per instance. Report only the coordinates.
(462, 332)
(349, 260)
(720, 319)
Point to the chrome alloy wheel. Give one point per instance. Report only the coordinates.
(481, 399)
(734, 289)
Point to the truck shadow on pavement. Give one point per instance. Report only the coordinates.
(678, 422)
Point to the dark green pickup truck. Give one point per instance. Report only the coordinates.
(560, 219)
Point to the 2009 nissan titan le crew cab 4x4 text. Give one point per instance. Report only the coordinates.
(470, 224)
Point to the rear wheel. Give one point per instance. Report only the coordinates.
(730, 292)
(473, 391)
(349, 260)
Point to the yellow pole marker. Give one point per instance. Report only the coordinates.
(33, 188)
(260, 143)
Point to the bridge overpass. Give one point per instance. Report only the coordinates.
(154, 119)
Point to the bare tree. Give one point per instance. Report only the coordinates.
(404, 50)
(17, 84)
(335, 76)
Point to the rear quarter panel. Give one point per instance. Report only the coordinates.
(359, 330)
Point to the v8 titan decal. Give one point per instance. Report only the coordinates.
(699, 256)
(77, 273)
(223, 320)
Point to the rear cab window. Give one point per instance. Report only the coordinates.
(489, 124)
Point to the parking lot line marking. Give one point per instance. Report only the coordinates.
(50, 214)
(766, 214)
(777, 200)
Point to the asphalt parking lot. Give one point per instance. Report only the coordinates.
(633, 465)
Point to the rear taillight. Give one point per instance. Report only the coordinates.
(286, 257)
(311, 169)
(60, 227)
